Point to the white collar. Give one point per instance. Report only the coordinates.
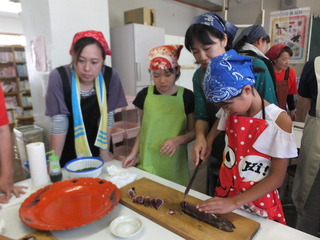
(249, 46)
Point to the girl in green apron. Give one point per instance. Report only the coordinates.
(167, 119)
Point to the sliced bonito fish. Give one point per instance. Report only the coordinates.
(146, 201)
(216, 221)
(132, 192)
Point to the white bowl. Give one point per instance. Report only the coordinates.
(126, 226)
(84, 167)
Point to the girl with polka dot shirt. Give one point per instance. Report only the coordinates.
(259, 144)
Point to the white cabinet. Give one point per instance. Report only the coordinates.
(130, 45)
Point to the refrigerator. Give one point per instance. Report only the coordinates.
(130, 45)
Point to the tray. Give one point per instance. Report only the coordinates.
(69, 204)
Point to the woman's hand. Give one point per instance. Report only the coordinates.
(209, 148)
(129, 161)
(293, 115)
(200, 150)
(169, 147)
(217, 205)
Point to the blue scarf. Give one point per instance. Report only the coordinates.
(80, 136)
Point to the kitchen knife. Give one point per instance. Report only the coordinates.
(192, 179)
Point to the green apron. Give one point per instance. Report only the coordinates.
(309, 159)
(164, 117)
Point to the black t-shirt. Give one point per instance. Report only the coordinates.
(308, 87)
(188, 99)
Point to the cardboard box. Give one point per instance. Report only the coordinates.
(144, 16)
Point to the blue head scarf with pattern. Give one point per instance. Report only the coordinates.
(213, 20)
(226, 75)
(252, 34)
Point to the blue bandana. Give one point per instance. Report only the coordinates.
(213, 20)
(252, 34)
(226, 76)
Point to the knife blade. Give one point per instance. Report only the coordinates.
(192, 179)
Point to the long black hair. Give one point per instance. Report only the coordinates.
(202, 33)
(238, 46)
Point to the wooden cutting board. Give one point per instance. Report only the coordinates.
(40, 235)
(180, 223)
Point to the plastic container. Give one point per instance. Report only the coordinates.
(25, 135)
(131, 128)
(117, 135)
(55, 173)
(120, 152)
(84, 167)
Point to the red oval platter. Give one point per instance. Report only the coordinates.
(69, 204)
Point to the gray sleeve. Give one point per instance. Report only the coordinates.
(116, 97)
(59, 124)
(110, 119)
(55, 103)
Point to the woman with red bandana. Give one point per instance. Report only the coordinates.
(167, 119)
(81, 99)
(286, 82)
(259, 140)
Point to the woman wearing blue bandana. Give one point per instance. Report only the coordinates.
(259, 140)
(81, 99)
(253, 41)
(208, 36)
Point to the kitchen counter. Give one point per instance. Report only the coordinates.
(99, 230)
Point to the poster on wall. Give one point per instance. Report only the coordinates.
(291, 27)
(38, 54)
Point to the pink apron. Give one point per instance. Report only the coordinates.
(244, 167)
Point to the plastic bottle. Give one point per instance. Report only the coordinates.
(54, 167)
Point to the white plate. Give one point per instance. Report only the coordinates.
(126, 226)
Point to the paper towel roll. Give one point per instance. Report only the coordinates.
(37, 163)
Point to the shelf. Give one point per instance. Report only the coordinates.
(11, 94)
(131, 129)
(117, 135)
(7, 77)
(25, 91)
(209, 5)
(14, 81)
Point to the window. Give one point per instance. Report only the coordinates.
(12, 39)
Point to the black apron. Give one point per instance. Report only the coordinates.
(90, 114)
